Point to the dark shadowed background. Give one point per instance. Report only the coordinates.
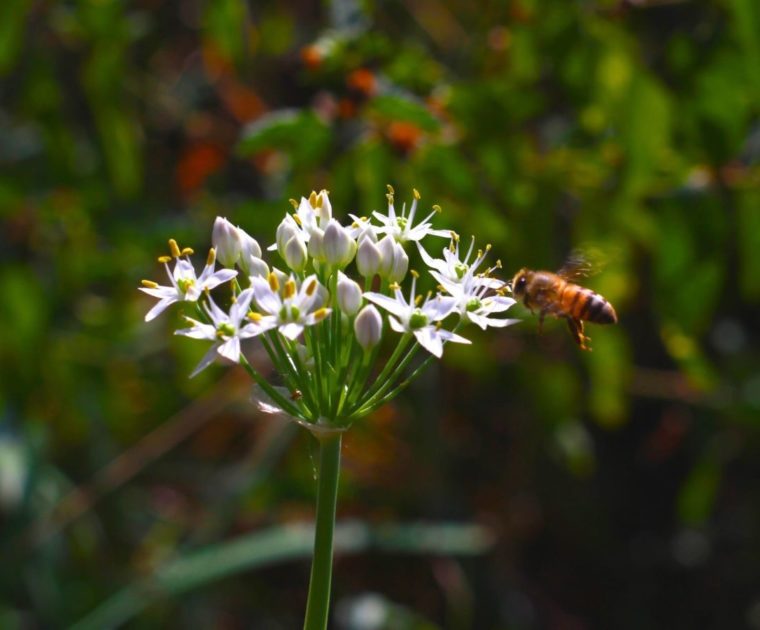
(521, 484)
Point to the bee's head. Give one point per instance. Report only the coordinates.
(520, 281)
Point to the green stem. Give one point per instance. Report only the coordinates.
(318, 603)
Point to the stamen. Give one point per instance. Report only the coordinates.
(414, 273)
(313, 199)
(290, 289)
(437, 208)
(417, 300)
(174, 248)
(211, 258)
(311, 288)
(164, 259)
(416, 194)
(274, 283)
(255, 317)
(297, 219)
(150, 284)
(320, 314)
(394, 286)
(390, 190)
(188, 251)
(293, 203)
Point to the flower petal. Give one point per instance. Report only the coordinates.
(230, 349)
(207, 360)
(388, 303)
(429, 339)
(160, 308)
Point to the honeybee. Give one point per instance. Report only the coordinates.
(558, 294)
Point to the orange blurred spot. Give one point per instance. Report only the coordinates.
(404, 136)
(312, 57)
(217, 64)
(363, 81)
(242, 102)
(346, 108)
(196, 163)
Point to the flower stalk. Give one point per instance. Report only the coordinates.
(320, 582)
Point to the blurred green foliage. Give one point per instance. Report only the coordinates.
(627, 127)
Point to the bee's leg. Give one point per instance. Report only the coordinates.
(576, 330)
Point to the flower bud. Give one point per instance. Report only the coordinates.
(368, 327)
(349, 294)
(287, 229)
(337, 245)
(295, 253)
(226, 240)
(368, 258)
(316, 239)
(387, 248)
(324, 207)
(250, 256)
(400, 264)
(254, 267)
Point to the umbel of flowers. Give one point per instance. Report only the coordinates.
(322, 328)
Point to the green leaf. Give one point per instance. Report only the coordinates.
(277, 545)
(299, 133)
(403, 108)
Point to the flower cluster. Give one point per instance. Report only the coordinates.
(321, 328)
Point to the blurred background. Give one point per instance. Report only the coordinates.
(521, 484)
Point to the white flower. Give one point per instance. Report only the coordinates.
(422, 321)
(226, 330)
(185, 286)
(459, 280)
(291, 307)
(475, 306)
(402, 227)
(368, 327)
(226, 241)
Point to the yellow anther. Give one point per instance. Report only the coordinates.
(149, 284)
(274, 283)
(437, 208)
(454, 236)
(313, 199)
(417, 300)
(394, 286)
(438, 325)
(297, 219)
(488, 247)
(289, 290)
(480, 253)
(498, 264)
(255, 317)
(293, 203)
(312, 286)
(174, 248)
(390, 189)
(211, 258)
(164, 259)
(188, 251)
(414, 274)
(320, 314)
(416, 194)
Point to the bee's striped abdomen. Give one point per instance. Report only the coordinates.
(585, 304)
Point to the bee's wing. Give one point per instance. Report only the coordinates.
(582, 263)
